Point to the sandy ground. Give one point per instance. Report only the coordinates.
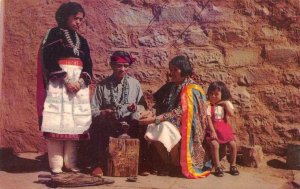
(21, 172)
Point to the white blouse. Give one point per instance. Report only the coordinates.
(219, 110)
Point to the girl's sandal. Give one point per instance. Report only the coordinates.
(219, 172)
(234, 170)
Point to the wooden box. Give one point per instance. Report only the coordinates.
(251, 155)
(123, 157)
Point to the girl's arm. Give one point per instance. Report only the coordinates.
(213, 133)
(228, 107)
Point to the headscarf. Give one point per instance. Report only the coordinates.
(122, 58)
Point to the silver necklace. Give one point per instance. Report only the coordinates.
(71, 43)
(124, 95)
(117, 104)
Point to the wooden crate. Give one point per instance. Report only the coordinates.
(123, 157)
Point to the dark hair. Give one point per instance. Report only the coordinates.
(219, 85)
(122, 54)
(182, 63)
(65, 11)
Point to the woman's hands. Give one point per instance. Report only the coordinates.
(147, 117)
(73, 87)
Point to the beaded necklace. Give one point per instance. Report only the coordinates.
(71, 43)
(114, 94)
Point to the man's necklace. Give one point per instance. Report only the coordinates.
(114, 93)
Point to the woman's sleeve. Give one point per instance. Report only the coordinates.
(140, 96)
(86, 73)
(158, 96)
(51, 49)
(173, 116)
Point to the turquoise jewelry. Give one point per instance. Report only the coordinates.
(157, 121)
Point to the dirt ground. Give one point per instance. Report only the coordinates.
(22, 170)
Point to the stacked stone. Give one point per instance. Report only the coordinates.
(252, 46)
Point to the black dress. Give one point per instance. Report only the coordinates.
(55, 47)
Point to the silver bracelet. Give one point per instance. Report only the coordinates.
(81, 83)
(67, 80)
(157, 121)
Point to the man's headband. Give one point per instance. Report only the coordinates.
(122, 59)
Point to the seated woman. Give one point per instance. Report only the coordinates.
(181, 120)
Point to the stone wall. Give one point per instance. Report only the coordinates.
(253, 46)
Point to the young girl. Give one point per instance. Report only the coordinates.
(221, 133)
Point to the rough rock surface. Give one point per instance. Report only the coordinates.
(253, 46)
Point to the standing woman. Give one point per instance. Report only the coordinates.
(64, 72)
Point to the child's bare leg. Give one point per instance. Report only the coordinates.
(223, 150)
(216, 158)
(233, 152)
(215, 152)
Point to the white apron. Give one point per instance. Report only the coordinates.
(66, 113)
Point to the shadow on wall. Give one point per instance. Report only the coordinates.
(11, 162)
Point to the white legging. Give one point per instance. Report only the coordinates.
(60, 153)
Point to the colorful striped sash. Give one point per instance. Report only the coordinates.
(189, 101)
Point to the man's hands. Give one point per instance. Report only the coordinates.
(132, 107)
(108, 114)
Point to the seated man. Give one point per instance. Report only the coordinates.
(115, 101)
